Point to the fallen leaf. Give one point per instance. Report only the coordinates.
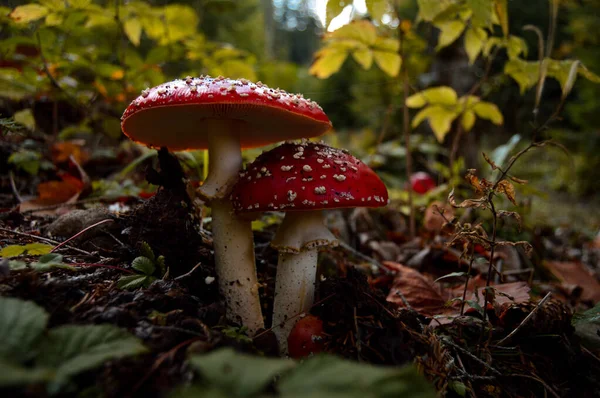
(51, 193)
(61, 151)
(575, 273)
(433, 220)
(419, 290)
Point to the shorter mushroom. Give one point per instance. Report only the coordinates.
(303, 179)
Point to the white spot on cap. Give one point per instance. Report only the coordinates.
(306, 168)
(320, 190)
(339, 177)
(291, 195)
(286, 168)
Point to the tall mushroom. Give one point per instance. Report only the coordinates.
(303, 179)
(224, 115)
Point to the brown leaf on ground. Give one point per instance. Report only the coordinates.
(433, 220)
(51, 193)
(575, 273)
(61, 151)
(418, 290)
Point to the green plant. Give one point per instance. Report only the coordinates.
(32, 354)
(225, 373)
(238, 333)
(146, 265)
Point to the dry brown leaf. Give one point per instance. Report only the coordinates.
(61, 151)
(490, 161)
(508, 190)
(419, 290)
(433, 220)
(52, 193)
(575, 273)
(481, 202)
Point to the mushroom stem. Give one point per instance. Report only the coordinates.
(298, 238)
(232, 236)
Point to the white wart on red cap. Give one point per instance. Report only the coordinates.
(307, 176)
(172, 114)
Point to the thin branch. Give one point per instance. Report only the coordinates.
(80, 233)
(527, 318)
(51, 241)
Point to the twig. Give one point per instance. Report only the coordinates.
(80, 233)
(358, 343)
(473, 357)
(590, 353)
(470, 385)
(362, 256)
(13, 186)
(59, 205)
(527, 318)
(54, 242)
(542, 382)
(190, 272)
(464, 296)
(127, 271)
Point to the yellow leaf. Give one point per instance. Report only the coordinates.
(442, 95)
(483, 11)
(429, 9)
(334, 8)
(387, 44)
(12, 251)
(28, 13)
(181, 22)
(474, 41)
(327, 63)
(237, 69)
(467, 120)
(525, 73)
(515, 46)
(488, 111)
(389, 62)
(440, 120)
(133, 30)
(364, 57)
(38, 249)
(502, 12)
(53, 19)
(449, 32)
(377, 8)
(362, 31)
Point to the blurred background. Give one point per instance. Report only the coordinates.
(68, 69)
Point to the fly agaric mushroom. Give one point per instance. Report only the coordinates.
(224, 115)
(303, 179)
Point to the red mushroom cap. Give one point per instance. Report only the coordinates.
(172, 113)
(306, 337)
(307, 176)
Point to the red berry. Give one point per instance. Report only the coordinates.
(306, 337)
(421, 182)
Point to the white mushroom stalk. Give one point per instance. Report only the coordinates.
(298, 240)
(232, 236)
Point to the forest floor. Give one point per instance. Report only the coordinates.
(377, 295)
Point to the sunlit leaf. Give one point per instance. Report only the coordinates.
(430, 9)
(133, 30)
(449, 32)
(488, 111)
(474, 40)
(483, 11)
(377, 8)
(334, 8)
(440, 120)
(525, 73)
(362, 31)
(28, 13)
(25, 117)
(364, 57)
(389, 62)
(53, 19)
(467, 120)
(328, 62)
(442, 95)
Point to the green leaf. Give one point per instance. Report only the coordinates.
(587, 327)
(240, 375)
(12, 375)
(525, 73)
(474, 40)
(146, 251)
(377, 8)
(160, 262)
(442, 95)
(28, 13)
(22, 324)
(130, 282)
(26, 160)
(488, 111)
(328, 376)
(144, 265)
(483, 10)
(133, 29)
(430, 9)
(53, 19)
(389, 62)
(449, 32)
(334, 8)
(451, 275)
(329, 61)
(72, 349)
(25, 117)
